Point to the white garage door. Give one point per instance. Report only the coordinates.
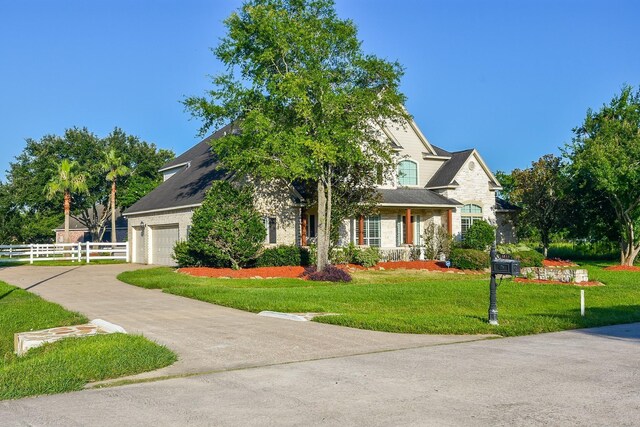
(140, 248)
(163, 240)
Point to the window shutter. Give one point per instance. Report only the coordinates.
(418, 236)
(272, 230)
(399, 231)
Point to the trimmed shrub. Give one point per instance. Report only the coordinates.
(479, 236)
(436, 241)
(227, 230)
(184, 257)
(329, 274)
(528, 258)
(469, 259)
(283, 256)
(367, 257)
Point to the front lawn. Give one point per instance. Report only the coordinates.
(68, 364)
(417, 301)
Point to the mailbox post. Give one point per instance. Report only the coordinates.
(505, 267)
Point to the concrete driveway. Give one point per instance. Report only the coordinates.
(206, 337)
(574, 378)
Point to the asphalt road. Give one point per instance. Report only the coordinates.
(584, 377)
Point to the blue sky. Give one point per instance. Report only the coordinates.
(511, 78)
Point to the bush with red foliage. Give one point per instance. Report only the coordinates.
(329, 274)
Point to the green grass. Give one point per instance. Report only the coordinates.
(68, 364)
(417, 301)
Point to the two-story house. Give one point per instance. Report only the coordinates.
(453, 189)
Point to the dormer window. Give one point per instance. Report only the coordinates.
(408, 173)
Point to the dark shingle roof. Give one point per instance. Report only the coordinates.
(449, 169)
(503, 205)
(185, 188)
(201, 148)
(414, 196)
(441, 152)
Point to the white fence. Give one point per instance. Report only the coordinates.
(75, 252)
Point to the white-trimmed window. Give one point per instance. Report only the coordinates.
(270, 227)
(470, 214)
(371, 231)
(408, 173)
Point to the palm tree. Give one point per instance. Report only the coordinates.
(67, 180)
(115, 168)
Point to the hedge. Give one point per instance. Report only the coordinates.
(469, 259)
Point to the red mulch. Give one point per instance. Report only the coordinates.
(557, 263)
(622, 268)
(295, 272)
(555, 282)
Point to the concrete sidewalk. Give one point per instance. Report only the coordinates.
(573, 378)
(206, 337)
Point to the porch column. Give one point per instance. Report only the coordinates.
(450, 222)
(361, 231)
(409, 237)
(303, 227)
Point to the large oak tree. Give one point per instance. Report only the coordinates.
(307, 101)
(605, 163)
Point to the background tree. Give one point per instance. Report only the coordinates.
(306, 99)
(34, 216)
(539, 191)
(226, 229)
(605, 166)
(67, 181)
(115, 168)
(507, 182)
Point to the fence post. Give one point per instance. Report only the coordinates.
(79, 252)
(88, 249)
(31, 253)
(126, 248)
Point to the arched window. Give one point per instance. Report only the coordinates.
(407, 172)
(470, 214)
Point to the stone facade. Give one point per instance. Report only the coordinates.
(474, 188)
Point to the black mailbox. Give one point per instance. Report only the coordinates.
(507, 267)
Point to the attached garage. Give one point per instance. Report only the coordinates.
(163, 239)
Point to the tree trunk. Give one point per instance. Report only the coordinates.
(67, 210)
(322, 257)
(114, 238)
(628, 249)
(545, 251)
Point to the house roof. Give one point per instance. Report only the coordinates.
(75, 224)
(441, 152)
(187, 188)
(503, 205)
(415, 197)
(200, 149)
(445, 175)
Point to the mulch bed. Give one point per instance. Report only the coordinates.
(296, 272)
(558, 263)
(555, 282)
(623, 268)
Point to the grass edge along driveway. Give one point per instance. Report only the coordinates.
(410, 301)
(69, 364)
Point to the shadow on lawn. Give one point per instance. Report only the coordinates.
(617, 322)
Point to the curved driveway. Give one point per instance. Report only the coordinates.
(205, 336)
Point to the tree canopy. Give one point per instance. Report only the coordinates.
(31, 216)
(605, 167)
(308, 103)
(539, 191)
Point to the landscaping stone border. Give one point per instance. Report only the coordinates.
(565, 275)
